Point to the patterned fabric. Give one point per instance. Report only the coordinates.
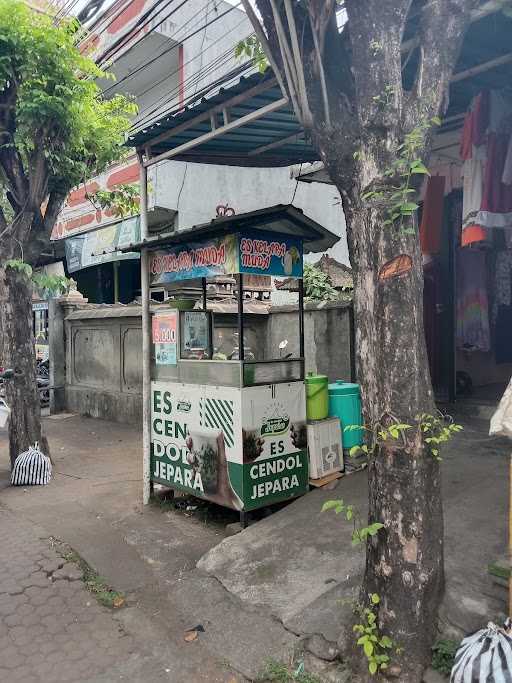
(484, 656)
(218, 414)
(473, 333)
(31, 468)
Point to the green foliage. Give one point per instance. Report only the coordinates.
(50, 285)
(443, 655)
(278, 672)
(359, 534)
(437, 430)
(20, 266)
(317, 285)
(123, 200)
(395, 195)
(59, 115)
(434, 430)
(46, 285)
(251, 47)
(376, 647)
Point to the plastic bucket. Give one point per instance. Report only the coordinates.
(317, 397)
(345, 404)
(5, 411)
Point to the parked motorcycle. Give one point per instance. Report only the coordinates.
(42, 378)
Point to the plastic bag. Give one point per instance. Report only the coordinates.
(31, 468)
(501, 421)
(485, 656)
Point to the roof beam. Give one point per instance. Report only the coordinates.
(480, 68)
(205, 116)
(277, 143)
(206, 137)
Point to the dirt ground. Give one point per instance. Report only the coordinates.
(255, 595)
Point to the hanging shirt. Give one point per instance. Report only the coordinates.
(432, 216)
(496, 207)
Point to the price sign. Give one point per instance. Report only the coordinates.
(164, 337)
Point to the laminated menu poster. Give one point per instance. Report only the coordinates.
(164, 337)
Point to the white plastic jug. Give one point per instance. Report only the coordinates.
(5, 411)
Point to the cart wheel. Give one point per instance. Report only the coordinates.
(244, 519)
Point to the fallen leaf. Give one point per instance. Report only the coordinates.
(118, 601)
(190, 636)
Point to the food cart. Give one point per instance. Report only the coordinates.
(227, 423)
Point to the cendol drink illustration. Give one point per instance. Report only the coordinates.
(290, 259)
(205, 446)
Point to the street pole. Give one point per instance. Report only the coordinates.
(146, 340)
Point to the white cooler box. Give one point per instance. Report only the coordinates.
(325, 448)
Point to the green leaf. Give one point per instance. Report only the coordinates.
(336, 505)
(375, 599)
(372, 668)
(368, 648)
(386, 641)
(419, 167)
(362, 640)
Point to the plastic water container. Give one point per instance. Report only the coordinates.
(345, 404)
(317, 396)
(5, 411)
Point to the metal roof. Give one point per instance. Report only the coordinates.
(280, 219)
(238, 146)
(246, 121)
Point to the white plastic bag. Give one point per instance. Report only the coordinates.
(31, 468)
(484, 657)
(501, 421)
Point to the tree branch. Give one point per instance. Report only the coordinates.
(260, 34)
(442, 27)
(53, 207)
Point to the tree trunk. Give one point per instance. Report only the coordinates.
(22, 395)
(404, 561)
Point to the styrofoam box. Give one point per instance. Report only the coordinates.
(325, 448)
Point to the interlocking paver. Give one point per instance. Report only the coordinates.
(51, 628)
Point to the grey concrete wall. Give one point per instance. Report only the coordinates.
(103, 363)
(327, 337)
(103, 346)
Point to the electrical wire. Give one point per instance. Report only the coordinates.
(148, 118)
(176, 37)
(194, 78)
(171, 48)
(138, 28)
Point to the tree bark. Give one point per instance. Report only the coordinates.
(22, 394)
(404, 561)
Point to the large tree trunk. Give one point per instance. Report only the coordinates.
(404, 561)
(18, 353)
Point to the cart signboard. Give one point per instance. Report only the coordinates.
(242, 448)
(252, 252)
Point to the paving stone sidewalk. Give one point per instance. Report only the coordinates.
(51, 627)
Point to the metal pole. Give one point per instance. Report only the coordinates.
(203, 284)
(146, 340)
(115, 265)
(301, 317)
(241, 353)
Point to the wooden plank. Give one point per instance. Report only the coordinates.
(238, 123)
(480, 68)
(317, 483)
